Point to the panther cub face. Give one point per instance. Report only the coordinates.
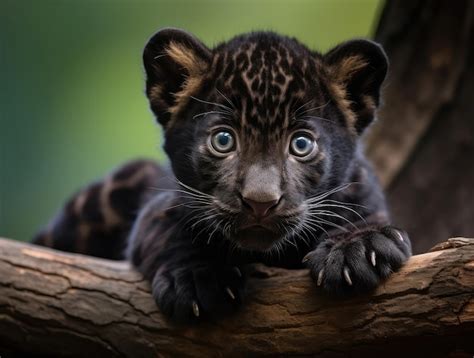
(259, 126)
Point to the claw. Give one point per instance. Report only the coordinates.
(306, 257)
(347, 276)
(320, 277)
(237, 270)
(400, 237)
(372, 258)
(230, 293)
(195, 308)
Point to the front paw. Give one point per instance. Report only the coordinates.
(195, 291)
(356, 262)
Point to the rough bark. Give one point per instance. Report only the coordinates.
(423, 145)
(72, 305)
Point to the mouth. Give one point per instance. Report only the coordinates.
(257, 237)
(256, 226)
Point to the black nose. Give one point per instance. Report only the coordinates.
(260, 209)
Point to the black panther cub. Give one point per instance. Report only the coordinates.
(263, 137)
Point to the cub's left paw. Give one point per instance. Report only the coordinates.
(358, 261)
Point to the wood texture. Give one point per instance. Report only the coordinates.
(72, 305)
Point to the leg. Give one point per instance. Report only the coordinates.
(189, 281)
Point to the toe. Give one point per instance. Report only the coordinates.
(359, 267)
(389, 256)
(186, 304)
(399, 237)
(163, 293)
(219, 291)
(207, 289)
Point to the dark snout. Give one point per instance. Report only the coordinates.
(261, 195)
(261, 190)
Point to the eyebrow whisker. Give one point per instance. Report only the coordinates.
(226, 98)
(223, 114)
(224, 107)
(313, 109)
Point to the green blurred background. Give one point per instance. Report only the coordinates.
(72, 102)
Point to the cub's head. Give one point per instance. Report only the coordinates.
(260, 127)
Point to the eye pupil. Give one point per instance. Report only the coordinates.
(301, 143)
(223, 138)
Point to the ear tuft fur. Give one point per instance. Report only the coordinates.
(175, 64)
(357, 70)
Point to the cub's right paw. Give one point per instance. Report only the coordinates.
(196, 292)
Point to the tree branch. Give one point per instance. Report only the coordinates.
(73, 305)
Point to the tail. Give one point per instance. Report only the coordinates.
(96, 221)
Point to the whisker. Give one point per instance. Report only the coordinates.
(174, 206)
(226, 229)
(310, 225)
(306, 238)
(216, 226)
(330, 223)
(229, 110)
(314, 108)
(194, 195)
(342, 203)
(193, 189)
(227, 99)
(205, 218)
(193, 215)
(342, 207)
(330, 192)
(317, 117)
(288, 240)
(205, 228)
(305, 230)
(332, 214)
(224, 114)
(295, 112)
(293, 235)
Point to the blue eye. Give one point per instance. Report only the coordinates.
(302, 145)
(222, 142)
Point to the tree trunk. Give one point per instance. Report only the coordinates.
(62, 304)
(423, 145)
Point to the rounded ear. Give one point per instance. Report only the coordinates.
(175, 63)
(358, 69)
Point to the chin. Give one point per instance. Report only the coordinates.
(257, 238)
